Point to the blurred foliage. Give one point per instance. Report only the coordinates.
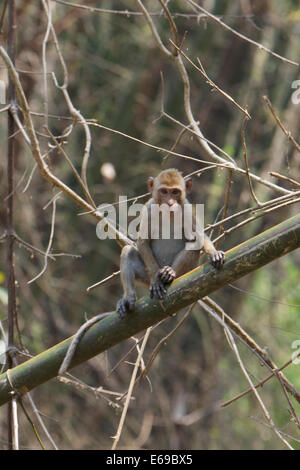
(115, 77)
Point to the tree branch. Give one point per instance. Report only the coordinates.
(240, 261)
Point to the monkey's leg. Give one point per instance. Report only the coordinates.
(185, 261)
(132, 268)
(167, 274)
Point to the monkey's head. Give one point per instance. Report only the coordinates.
(169, 187)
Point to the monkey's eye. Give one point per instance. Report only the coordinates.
(163, 191)
(176, 192)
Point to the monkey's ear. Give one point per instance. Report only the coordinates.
(188, 184)
(150, 183)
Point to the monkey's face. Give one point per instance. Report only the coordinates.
(172, 196)
(169, 188)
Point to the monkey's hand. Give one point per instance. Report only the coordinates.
(125, 305)
(163, 278)
(218, 259)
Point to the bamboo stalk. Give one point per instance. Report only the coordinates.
(240, 261)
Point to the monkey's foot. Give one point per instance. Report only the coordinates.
(218, 259)
(166, 274)
(157, 289)
(125, 305)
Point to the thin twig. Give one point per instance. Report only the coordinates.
(210, 82)
(129, 13)
(235, 168)
(68, 160)
(177, 141)
(32, 248)
(130, 390)
(241, 36)
(285, 178)
(259, 384)
(172, 24)
(97, 284)
(243, 291)
(36, 152)
(264, 205)
(226, 203)
(98, 392)
(291, 408)
(32, 424)
(284, 130)
(246, 161)
(266, 425)
(226, 164)
(40, 420)
(49, 243)
(229, 335)
(261, 403)
(73, 111)
(223, 318)
(163, 342)
(250, 219)
(156, 36)
(47, 7)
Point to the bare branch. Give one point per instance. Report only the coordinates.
(223, 318)
(226, 204)
(163, 341)
(172, 25)
(129, 13)
(284, 130)
(243, 368)
(246, 161)
(130, 390)
(210, 82)
(73, 111)
(157, 38)
(35, 148)
(75, 172)
(49, 243)
(260, 384)
(241, 36)
(285, 178)
(103, 281)
(32, 248)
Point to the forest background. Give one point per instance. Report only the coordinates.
(119, 76)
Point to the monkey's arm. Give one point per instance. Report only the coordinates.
(217, 257)
(186, 260)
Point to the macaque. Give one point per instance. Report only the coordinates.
(158, 260)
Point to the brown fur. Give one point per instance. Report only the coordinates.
(170, 177)
(158, 262)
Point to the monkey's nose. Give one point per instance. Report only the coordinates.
(171, 202)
